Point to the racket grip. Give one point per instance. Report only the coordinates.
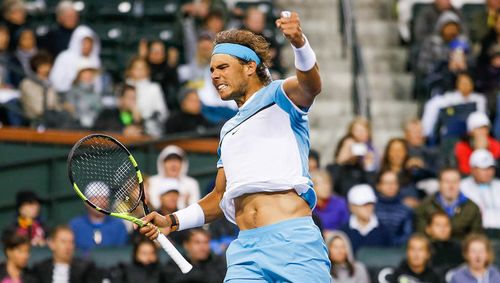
(183, 264)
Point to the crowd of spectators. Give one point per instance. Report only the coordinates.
(57, 75)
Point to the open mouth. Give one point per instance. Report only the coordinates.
(221, 87)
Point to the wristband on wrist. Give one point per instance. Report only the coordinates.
(174, 226)
(305, 58)
(190, 217)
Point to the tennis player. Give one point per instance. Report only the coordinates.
(262, 181)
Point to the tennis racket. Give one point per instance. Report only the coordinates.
(105, 175)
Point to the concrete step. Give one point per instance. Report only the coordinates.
(390, 85)
(384, 59)
(377, 33)
(402, 110)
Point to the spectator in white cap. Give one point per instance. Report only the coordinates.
(483, 188)
(169, 196)
(95, 229)
(478, 129)
(364, 228)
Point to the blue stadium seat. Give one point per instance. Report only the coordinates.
(475, 17)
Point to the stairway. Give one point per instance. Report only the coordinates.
(332, 110)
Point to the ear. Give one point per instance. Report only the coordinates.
(251, 68)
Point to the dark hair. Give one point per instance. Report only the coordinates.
(380, 175)
(419, 236)
(124, 89)
(26, 196)
(59, 228)
(141, 240)
(191, 232)
(12, 240)
(350, 265)
(253, 41)
(40, 58)
(314, 154)
(435, 214)
(385, 160)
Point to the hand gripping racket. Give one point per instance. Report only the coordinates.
(105, 175)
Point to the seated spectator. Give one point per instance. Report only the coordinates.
(25, 49)
(361, 133)
(163, 64)
(446, 253)
(207, 267)
(395, 159)
(416, 268)
(491, 39)
(390, 210)
(84, 47)
(58, 37)
(421, 157)
(364, 229)
(214, 22)
(314, 161)
(16, 249)
(478, 129)
(223, 233)
(488, 78)
(28, 221)
(345, 268)
(483, 188)
(172, 163)
(150, 103)
(83, 96)
(479, 258)
(63, 266)
(189, 118)
(427, 18)
(169, 197)
(196, 74)
(125, 119)
(14, 15)
(32, 95)
(95, 229)
(332, 210)
(463, 94)
(464, 214)
(144, 268)
(436, 53)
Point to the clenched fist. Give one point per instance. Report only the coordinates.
(289, 24)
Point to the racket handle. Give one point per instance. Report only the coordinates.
(183, 264)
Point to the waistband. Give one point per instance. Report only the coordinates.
(294, 222)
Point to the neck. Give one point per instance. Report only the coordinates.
(13, 271)
(363, 222)
(449, 200)
(252, 88)
(478, 271)
(61, 260)
(96, 219)
(418, 269)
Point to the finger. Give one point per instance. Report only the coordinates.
(148, 218)
(145, 230)
(151, 232)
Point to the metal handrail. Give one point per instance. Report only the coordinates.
(360, 95)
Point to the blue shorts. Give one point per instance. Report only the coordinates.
(288, 251)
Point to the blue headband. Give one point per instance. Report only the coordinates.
(237, 50)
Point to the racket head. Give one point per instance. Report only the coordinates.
(105, 175)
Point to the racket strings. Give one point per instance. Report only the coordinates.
(106, 175)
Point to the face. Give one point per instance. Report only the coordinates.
(17, 16)
(127, 101)
(191, 104)
(477, 255)
(313, 164)
(388, 185)
(205, 48)
(417, 253)
(43, 70)
(440, 228)
(102, 202)
(449, 185)
(322, 186)
(139, 70)
(63, 245)
(480, 132)
(30, 210)
(495, 60)
(228, 76)
(156, 53)
(19, 255)
(397, 153)
(146, 253)
(363, 212)
(215, 24)
(87, 76)
(168, 201)
(27, 40)
(414, 134)
(173, 167)
(493, 4)
(483, 176)
(69, 18)
(443, 5)
(4, 39)
(338, 251)
(87, 45)
(360, 133)
(449, 31)
(464, 84)
(198, 247)
(255, 21)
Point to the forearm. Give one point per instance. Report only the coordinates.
(210, 206)
(306, 68)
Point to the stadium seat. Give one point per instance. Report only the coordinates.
(415, 11)
(475, 16)
(117, 10)
(169, 33)
(161, 10)
(381, 257)
(265, 6)
(111, 34)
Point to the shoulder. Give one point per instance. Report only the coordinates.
(77, 222)
(42, 265)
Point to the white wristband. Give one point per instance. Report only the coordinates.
(305, 58)
(190, 217)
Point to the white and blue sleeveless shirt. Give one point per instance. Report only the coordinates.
(265, 147)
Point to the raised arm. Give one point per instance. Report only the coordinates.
(204, 211)
(306, 85)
